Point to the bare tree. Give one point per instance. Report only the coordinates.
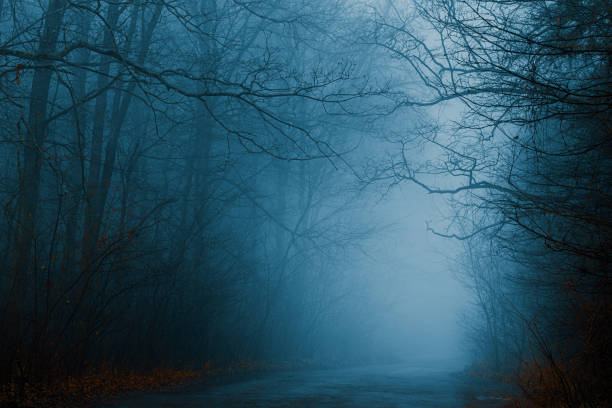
(528, 166)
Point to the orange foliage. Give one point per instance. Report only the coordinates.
(106, 382)
(547, 385)
(97, 385)
(17, 70)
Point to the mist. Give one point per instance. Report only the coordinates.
(332, 203)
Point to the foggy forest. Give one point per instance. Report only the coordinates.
(305, 203)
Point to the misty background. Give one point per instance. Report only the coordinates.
(196, 184)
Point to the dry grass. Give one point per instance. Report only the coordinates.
(99, 384)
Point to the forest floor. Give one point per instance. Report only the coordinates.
(400, 385)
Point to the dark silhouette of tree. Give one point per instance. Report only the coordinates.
(150, 154)
(529, 166)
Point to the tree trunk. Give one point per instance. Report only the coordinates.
(76, 165)
(29, 186)
(93, 180)
(99, 195)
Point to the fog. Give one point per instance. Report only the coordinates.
(212, 186)
(417, 292)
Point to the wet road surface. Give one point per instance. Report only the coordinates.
(374, 386)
